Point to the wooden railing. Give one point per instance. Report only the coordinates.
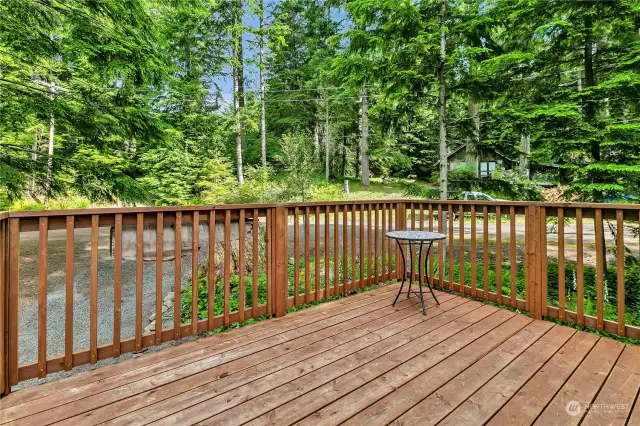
(80, 286)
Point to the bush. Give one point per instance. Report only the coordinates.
(327, 193)
(61, 203)
(414, 189)
(301, 164)
(217, 181)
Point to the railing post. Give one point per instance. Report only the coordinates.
(401, 225)
(4, 347)
(280, 254)
(533, 230)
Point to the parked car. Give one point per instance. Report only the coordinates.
(479, 196)
(476, 196)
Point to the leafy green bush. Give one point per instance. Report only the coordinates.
(203, 295)
(330, 192)
(417, 190)
(61, 203)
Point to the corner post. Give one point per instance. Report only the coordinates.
(280, 254)
(534, 268)
(4, 330)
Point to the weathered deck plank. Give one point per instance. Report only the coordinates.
(353, 361)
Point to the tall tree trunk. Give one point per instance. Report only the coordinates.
(52, 127)
(525, 152)
(473, 140)
(37, 134)
(344, 155)
(327, 142)
(238, 86)
(316, 140)
(263, 123)
(589, 80)
(442, 104)
(364, 137)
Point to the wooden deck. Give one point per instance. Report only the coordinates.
(359, 361)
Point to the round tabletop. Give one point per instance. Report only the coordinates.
(416, 235)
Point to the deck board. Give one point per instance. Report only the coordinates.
(357, 361)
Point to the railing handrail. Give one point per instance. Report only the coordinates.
(154, 209)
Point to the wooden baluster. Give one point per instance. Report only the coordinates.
(316, 293)
(362, 254)
(68, 303)
(474, 265)
(498, 255)
(194, 273)
(345, 247)
(117, 285)
(241, 268)
(431, 251)
(177, 278)
(369, 247)
(280, 259)
(599, 270)
(159, 275)
(461, 255)
(354, 284)
(561, 283)
(227, 266)
(93, 303)
(327, 254)
(421, 269)
(14, 296)
(543, 259)
(139, 277)
(376, 236)
(620, 264)
(255, 258)
(383, 250)
(336, 251)
(390, 243)
(440, 247)
(579, 267)
(452, 281)
(43, 257)
(485, 229)
(412, 251)
(307, 249)
(269, 261)
(512, 260)
(296, 257)
(211, 273)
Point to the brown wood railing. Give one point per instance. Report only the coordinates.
(115, 266)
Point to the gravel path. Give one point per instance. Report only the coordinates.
(28, 311)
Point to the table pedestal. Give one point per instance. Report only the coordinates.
(404, 274)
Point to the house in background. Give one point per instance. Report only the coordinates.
(485, 161)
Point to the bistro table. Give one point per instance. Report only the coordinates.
(416, 237)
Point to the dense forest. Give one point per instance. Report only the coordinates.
(210, 101)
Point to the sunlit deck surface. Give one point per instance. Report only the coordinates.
(360, 361)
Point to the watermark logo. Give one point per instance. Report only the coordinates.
(573, 408)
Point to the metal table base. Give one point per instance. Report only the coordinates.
(404, 275)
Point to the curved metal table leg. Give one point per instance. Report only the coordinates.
(410, 256)
(404, 268)
(427, 275)
(424, 307)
